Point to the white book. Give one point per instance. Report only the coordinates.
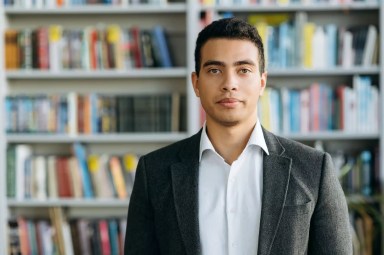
(348, 55)
(67, 238)
(85, 49)
(39, 178)
(374, 109)
(55, 48)
(45, 232)
(23, 152)
(72, 113)
(39, 4)
(319, 55)
(369, 47)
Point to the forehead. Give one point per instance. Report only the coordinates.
(237, 49)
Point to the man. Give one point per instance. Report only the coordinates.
(235, 188)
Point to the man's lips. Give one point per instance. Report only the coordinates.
(228, 102)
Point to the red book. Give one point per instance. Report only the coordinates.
(63, 177)
(135, 32)
(80, 113)
(104, 236)
(314, 106)
(340, 96)
(93, 54)
(23, 235)
(43, 48)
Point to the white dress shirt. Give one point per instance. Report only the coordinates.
(230, 197)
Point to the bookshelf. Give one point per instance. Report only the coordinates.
(182, 21)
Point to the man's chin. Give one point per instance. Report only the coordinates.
(229, 123)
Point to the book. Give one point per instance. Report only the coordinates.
(80, 154)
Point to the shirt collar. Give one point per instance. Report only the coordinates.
(256, 138)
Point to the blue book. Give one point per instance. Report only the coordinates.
(82, 160)
(283, 44)
(331, 41)
(113, 237)
(160, 47)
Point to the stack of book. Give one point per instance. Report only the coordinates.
(72, 177)
(55, 48)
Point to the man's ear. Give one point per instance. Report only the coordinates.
(195, 82)
(263, 82)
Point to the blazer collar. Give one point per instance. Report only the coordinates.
(276, 168)
(185, 177)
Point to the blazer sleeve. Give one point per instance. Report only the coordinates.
(140, 238)
(330, 231)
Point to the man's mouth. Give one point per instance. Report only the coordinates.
(229, 102)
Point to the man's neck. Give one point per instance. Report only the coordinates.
(229, 142)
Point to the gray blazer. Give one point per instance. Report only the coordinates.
(304, 210)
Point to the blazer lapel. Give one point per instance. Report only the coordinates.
(185, 192)
(276, 169)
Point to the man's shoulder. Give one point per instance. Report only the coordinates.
(172, 150)
(294, 148)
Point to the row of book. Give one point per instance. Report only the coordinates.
(71, 3)
(285, 2)
(58, 235)
(43, 177)
(92, 48)
(290, 40)
(322, 107)
(358, 172)
(95, 113)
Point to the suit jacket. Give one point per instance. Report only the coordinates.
(304, 210)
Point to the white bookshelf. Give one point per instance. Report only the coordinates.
(97, 138)
(317, 7)
(338, 71)
(69, 203)
(188, 16)
(143, 73)
(101, 9)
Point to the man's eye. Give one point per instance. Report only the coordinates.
(245, 71)
(214, 71)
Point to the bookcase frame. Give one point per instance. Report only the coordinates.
(191, 9)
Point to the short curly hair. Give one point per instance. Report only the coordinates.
(229, 28)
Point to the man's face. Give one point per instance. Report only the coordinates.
(229, 82)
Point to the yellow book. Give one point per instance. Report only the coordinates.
(270, 19)
(265, 110)
(308, 33)
(118, 178)
(114, 40)
(130, 162)
(262, 27)
(283, 2)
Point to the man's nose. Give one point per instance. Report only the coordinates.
(230, 82)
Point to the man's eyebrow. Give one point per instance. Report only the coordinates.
(213, 63)
(245, 62)
(237, 63)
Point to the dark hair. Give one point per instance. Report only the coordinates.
(229, 28)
